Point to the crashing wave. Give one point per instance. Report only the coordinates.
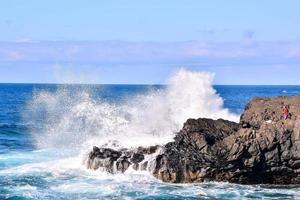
(75, 119)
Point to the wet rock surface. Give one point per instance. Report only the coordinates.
(262, 148)
(114, 161)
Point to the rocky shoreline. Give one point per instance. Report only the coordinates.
(262, 148)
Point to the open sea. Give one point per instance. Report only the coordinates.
(46, 131)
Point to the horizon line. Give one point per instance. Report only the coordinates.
(153, 84)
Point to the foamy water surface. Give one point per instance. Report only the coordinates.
(46, 132)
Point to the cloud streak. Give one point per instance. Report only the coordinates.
(120, 52)
(71, 74)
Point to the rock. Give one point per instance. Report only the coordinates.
(262, 148)
(114, 161)
(137, 158)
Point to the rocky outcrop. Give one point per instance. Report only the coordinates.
(262, 148)
(114, 161)
(267, 148)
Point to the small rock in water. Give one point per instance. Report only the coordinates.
(201, 194)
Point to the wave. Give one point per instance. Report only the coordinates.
(15, 125)
(66, 179)
(74, 118)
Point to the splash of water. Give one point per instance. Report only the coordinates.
(75, 119)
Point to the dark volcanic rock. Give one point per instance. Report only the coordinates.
(268, 149)
(195, 151)
(262, 148)
(119, 161)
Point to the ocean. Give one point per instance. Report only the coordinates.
(46, 131)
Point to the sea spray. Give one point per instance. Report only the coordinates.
(57, 174)
(75, 119)
(191, 95)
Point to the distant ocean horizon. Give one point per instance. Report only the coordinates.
(160, 84)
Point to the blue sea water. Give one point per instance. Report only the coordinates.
(29, 171)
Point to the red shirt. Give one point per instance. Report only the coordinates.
(285, 111)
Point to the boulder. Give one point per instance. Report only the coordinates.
(262, 149)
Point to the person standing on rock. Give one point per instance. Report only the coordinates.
(285, 112)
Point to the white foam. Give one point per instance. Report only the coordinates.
(27, 191)
(74, 119)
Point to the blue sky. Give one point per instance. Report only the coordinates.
(242, 42)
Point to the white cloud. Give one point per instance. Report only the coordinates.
(72, 50)
(293, 51)
(72, 75)
(146, 52)
(14, 55)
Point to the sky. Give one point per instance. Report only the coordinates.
(118, 41)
